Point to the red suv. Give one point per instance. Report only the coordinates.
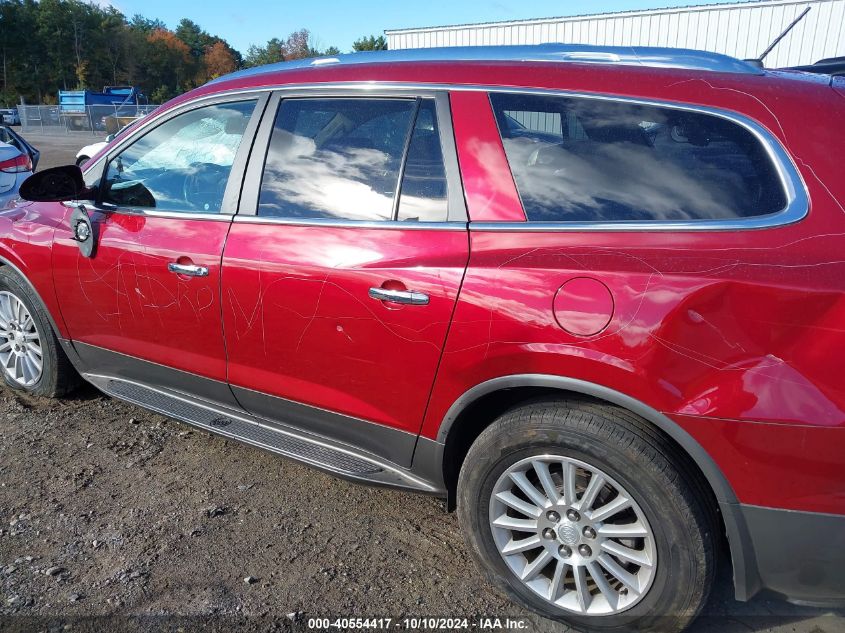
(593, 297)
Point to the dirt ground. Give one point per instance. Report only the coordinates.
(116, 519)
(108, 511)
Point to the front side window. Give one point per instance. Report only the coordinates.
(342, 158)
(182, 165)
(590, 160)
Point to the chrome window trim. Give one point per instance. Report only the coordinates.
(393, 225)
(770, 221)
(794, 187)
(153, 213)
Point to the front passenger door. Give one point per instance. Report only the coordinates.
(151, 289)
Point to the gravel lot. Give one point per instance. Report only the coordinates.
(116, 519)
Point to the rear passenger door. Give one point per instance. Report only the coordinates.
(341, 272)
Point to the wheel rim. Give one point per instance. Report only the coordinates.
(21, 355)
(572, 535)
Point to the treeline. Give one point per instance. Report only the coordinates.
(53, 45)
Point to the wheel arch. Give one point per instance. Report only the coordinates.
(6, 262)
(489, 399)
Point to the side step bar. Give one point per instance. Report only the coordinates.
(337, 459)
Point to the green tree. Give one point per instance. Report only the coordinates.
(297, 45)
(270, 53)
(54, 32)
(10, 24)
(27, 76)
(145, 25)
(52, 45)
(194, 37)
(169, 63)
(113, 47)
(370, 43)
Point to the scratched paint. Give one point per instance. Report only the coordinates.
(125, 299)
(300, 324)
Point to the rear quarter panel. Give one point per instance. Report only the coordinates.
(737, 335)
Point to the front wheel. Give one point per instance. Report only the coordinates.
(31, 358)
(586, 515)
(81, 161)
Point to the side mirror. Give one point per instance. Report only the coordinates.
(57, 184)
(110, 138)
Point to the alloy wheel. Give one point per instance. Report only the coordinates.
(21, 354)
(572, 535)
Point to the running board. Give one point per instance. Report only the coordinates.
(319, 452)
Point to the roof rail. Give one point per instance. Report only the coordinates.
(582, 53)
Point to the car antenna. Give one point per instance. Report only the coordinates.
(759, 60)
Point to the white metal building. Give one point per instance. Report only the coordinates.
(741, 29)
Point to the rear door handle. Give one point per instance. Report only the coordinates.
(189, 270)
(407, 297)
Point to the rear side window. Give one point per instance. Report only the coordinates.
(590, 160)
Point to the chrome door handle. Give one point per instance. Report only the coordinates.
(408, 297)
(190, 270)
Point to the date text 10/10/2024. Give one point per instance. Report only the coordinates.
(419, 623)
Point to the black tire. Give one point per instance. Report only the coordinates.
(637, 456)
(58, 377)
(81, 161)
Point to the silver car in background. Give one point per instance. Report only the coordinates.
(18, 160)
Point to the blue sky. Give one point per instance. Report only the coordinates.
(338, 23)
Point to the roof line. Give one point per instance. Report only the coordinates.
(654, 57)
(744, 4)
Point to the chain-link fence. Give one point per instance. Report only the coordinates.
(95, 119)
